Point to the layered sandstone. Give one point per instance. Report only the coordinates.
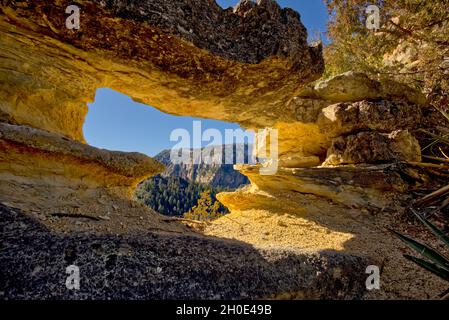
(344, 147)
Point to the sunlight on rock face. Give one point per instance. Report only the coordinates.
(344, 143)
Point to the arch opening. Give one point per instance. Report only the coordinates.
(116, 122)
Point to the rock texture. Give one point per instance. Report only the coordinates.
(148, 265)
(131, 165)
(353, 86)
(374, 147)
(251, 65)
(346, 209)
(232, 34)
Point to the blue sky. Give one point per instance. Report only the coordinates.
(115, 122)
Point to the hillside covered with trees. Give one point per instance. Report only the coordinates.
(173, 196)
(191, 188)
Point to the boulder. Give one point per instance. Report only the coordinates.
(373, 147)
(383, 116)
(354, 86)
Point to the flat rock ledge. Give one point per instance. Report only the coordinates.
(133, 165)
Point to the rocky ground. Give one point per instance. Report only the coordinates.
(152, 265)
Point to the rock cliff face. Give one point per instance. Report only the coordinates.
(215, 175)
(251, 65)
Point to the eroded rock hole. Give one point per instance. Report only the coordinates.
(186, 189)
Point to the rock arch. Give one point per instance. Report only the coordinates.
(251, 65)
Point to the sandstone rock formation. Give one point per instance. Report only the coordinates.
(251, 65)
(372, 147)
(153, 61)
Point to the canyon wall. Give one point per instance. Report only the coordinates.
(347, 145)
